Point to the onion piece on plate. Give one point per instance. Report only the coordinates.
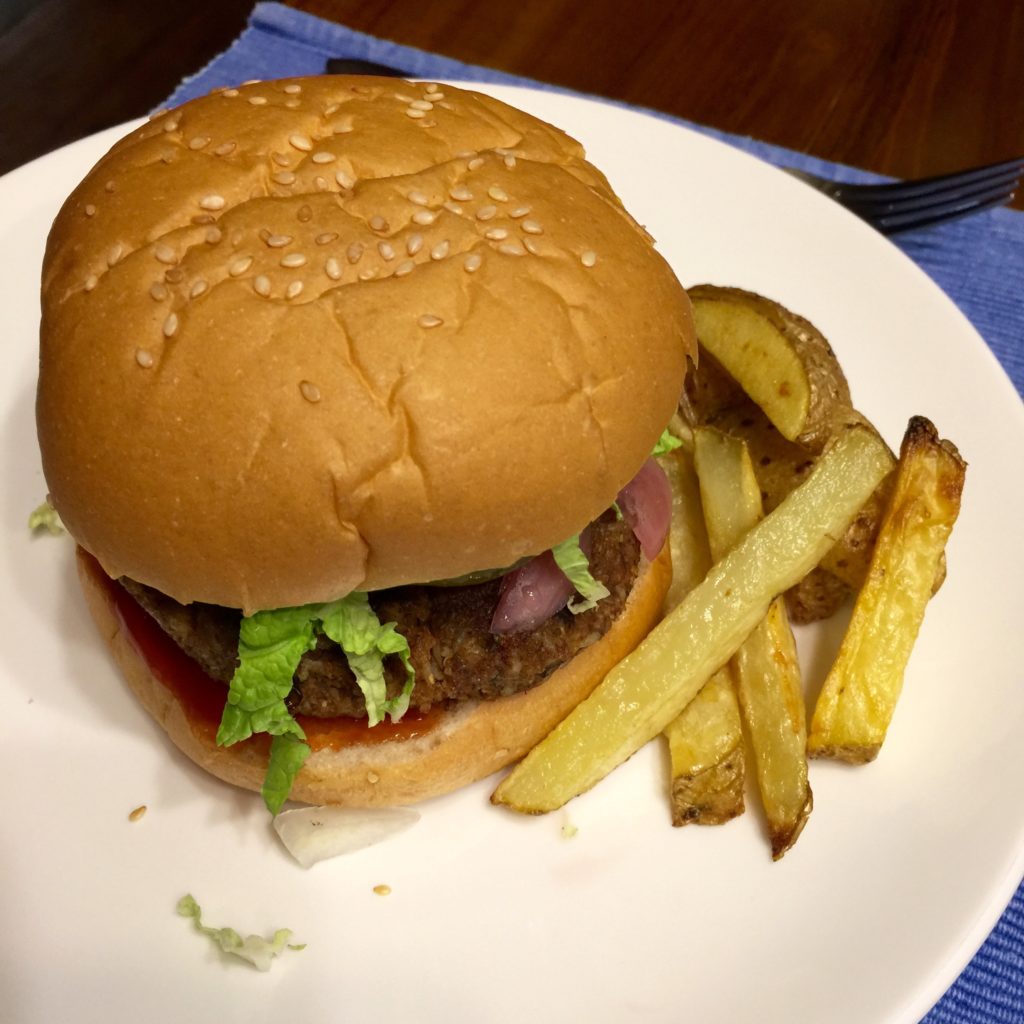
(313, 834)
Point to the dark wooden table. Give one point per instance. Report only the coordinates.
(897, 86)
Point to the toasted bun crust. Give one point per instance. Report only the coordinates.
(230, 412)
(469, 743)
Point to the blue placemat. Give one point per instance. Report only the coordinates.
(978, 262)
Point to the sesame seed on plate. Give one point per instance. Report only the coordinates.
(158, 291)
(293, 259)
(322, 156)
(300, 141)
(531, 227)
(424, 217)
(440, 250)
(310, 392)
(498, 194)
(386, 249)
(414, 244)
(240, 266)
(293, 290)
(486, 212)
(261, 285)
(472, 262)
(197, 288)
(378, 223)
(165, 254)
(212, 202)
(332, 268)
(405, 267)
(496, 234)
(170, 325)
(326, 237)
(284, 178)
(278, 241)
(429, 320)
(144, 358)
(417, 197)
(588, 258)
(354, 252)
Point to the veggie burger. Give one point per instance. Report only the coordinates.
(348, 393)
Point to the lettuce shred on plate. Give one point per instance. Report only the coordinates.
(44, 518)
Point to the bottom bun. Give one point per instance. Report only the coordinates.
(467, 743)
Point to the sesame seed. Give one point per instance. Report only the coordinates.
(292, 104)
(284, 178)
(453, 208)
(417, 197)
(431, 87)
(421, 105)
(440, 250)
(310, 392)
(386, 249)
(344, 179)
(343, 127)
(224, 148)
(321, 183)
(461, 193)
(114, 253)
(378, 223)
(199, 142)
(171, 125)
(424, 217)
(253, 81)
(90, 282)
(174, 275)
(299, 141)
(90, 210)
(442, 104)
(472, 262)
(165, 254)
(486, 212)
(332, 268)
(531, 246)
(520, 211)
(321, 156)
(510, 161)
(413, 113)
(230, 92)
(511, 249)
(261, 285)
(405, 267)
(145, 359)
(354, 252)
(214, 235)
(305, 213)
(496, 234)
(293, 88)
(281, 159)
(167, 157)
(333, 108)
(429, 320)
(170, 325)
(414, 244)
(293, 259)
(588, 258)
(404, 99)
(531, 227)
(212, 202)
(257, 101)
(278, 241)
(501, 151)
(498, 194)
(427, 124)
(368, 274)
(293, 290)
(197, 289)
(326, 237)
(158, 291)
(466, 154)
(240, 266)
(204, 218)
(476, 163)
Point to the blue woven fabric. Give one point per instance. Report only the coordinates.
(978, 262)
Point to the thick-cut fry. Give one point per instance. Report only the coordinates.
(766, 667)
(645, 691)
(706, 741)
(705, 745)
(859, 696)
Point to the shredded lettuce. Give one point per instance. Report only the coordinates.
(270, 646)
(260, 952)
(573, 562)
(45, 518)
(666, 443)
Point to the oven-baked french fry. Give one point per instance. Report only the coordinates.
(705, 745)
(859, 696)
(646, 690)
(705, 741)
(765, 666)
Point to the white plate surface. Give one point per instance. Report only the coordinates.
(902, 870)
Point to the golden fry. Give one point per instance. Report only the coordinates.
(646, 690)
(859, 696)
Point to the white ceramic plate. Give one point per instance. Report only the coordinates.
(902, 870)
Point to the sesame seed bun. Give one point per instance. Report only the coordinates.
(469, 742)
(312, 336)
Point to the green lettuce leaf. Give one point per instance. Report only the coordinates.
(260, 952)
(353, 625)
(666, 443)
(45, 517)
(573, 562)
(288, 754)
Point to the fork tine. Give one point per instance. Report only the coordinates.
(878, 206)
(891, 224)
(938, 183)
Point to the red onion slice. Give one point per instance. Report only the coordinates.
(646, 504)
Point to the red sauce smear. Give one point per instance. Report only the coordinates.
(204, 698)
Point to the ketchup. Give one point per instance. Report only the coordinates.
(203, 698)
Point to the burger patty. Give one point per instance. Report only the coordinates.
(455, 655)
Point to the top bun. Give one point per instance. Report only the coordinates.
(318, 335)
